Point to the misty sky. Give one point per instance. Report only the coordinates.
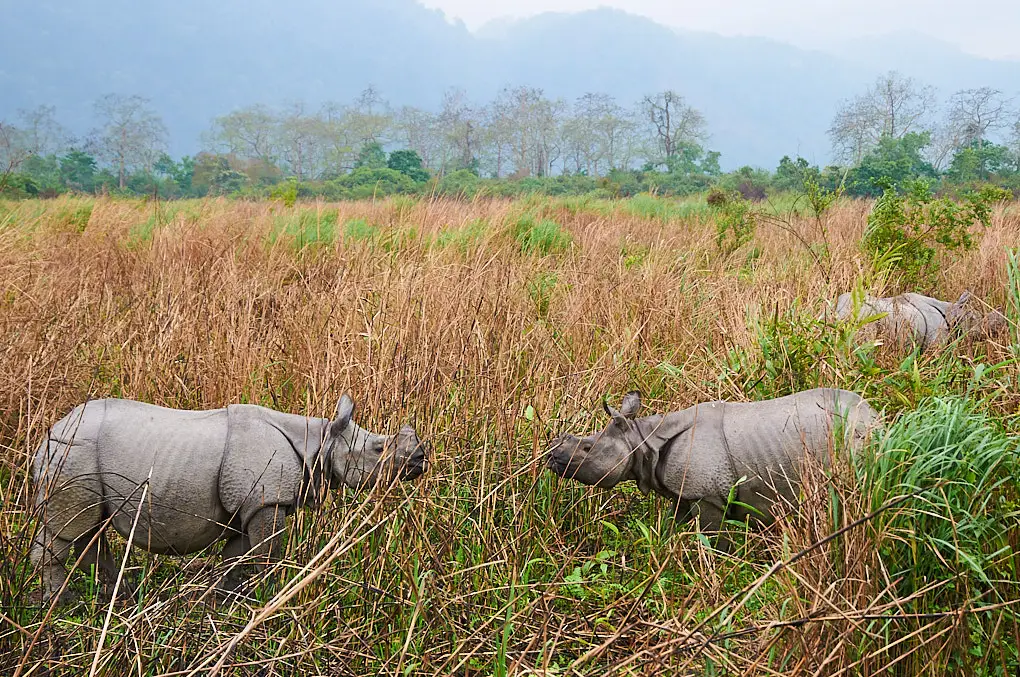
(989, 28)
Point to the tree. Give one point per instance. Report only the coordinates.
(460, 129)
(298, 139)
(13, 152)
(182, 173)
(596, 136)
(410, 163)
(974, 113)
(979, 161)
(78, 171)
(893, 161)
(525, 126)
(247, 133)
(371, 156)
(43, 135)
(131, 135)
(673, 124)
(416, 130)
(892, 107)
(794, 175)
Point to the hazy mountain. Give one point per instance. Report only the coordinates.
(196, 60)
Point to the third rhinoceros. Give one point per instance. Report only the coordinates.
(181, 480)
(698, 455)
(928, 321)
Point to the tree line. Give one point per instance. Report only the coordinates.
(521, 141)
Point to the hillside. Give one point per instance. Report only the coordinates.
(763, 99)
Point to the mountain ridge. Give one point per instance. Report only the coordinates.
(763, 98)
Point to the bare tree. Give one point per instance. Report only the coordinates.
(974, 113)
(13, 152)
(893, 106)
(299, 141)
(460, 127)
(673, 124)
(43, 135)
(416, 130)
(250, 133)
(131, 134)
(526, 124)
(369, 119)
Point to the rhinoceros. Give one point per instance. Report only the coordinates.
(182, 480)
(698, 455)
(914, 318)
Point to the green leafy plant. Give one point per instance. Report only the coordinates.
(918, 227)
(735, 224)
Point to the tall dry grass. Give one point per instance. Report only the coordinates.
(442, 314)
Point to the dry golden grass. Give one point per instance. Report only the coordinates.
(487, 565)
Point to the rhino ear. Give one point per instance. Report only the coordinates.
(344, 411)
(618, 418)
(631, 404)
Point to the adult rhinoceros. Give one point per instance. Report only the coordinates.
(698, 455)
(925, 320)
(185, 479)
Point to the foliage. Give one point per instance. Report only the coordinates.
(736, 223)
(912, 230)
(286, 192)
(408, 162)
(371, 156)
(894, 161)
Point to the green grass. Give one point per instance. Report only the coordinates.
(540, 237)
(305, 228)
(463, 238)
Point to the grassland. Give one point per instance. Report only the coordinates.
(491, 326)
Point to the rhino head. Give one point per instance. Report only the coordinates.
(964, 318)
(361, 458)
(601, 459)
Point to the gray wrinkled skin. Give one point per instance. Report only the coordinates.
(696, 456)
(229, 474)
(913, 318)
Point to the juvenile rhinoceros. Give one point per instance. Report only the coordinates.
(196, 477)
(913, 318)
(696, 456)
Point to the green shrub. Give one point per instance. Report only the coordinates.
(735, 224)
(360, 230)
(911, 230)
(287, 192)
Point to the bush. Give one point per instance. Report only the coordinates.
(908, 232)
(461, 183)
(735, 224)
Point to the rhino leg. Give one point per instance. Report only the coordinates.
(709, 515)
(264, 531)
(95, 552)
(261, 541)
(235, 548)
(49, 553)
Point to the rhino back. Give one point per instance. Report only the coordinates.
(768, 440)
(179, 452)
(929, 317)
